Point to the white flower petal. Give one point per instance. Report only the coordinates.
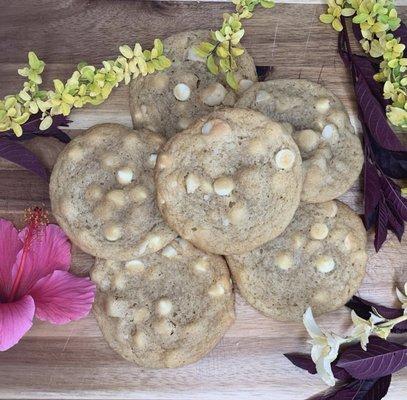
(401, 296)
(324, 370)
(310, 324)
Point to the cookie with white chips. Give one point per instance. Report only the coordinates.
(166, 309)
(170, 101)
(319, 262)
(103, 195)
(230, 182)
(331, 151)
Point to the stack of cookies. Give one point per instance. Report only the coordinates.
(210, 179)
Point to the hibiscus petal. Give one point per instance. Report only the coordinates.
(15, 320)
(10, 245)
(62, 297)
(50, 250)
(310, 325)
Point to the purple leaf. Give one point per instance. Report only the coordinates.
(31, 128)
(304, 361)
(393, 196)
(363, 308)
(401, 32)
(381, 225)
(374, 117)
(395, 224)
(372, 389)
(18, 154)
(380, 359)
(372, 194)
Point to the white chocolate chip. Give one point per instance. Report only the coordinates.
(339, 118)
(154, 242)
(319, 231)
(169, 251)
(284, 260)
(307, 139)
(191, 183)
(223, 186)
(244, 84)
(322, 105)
(349, 242)
(182, 92)
(141, 315)
(160, 82)
(115, 307)
(238, 214)
(119, 281)
(138, 194)
(330, 209)
(216, 127)
(213, 94)
(110, 160)
(112, 232)
(124, 176)
(225, 222)
(117, 197)
(206, 186)
(135, 266)
(324, 264)
(329, 132)
(164, 307)
(163, 327)
(262, 95)
(216, 290)
(257, 147)
(93, 193)
(152, 160)
(76, 152)
(200, 265)
(183, 123)
(298, 240)
(285, 159)
(164, 161)
(140, 339)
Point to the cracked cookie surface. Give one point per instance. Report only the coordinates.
(169, 101)
(166, 309)
(331, 151)
(103, 195)
(231, 182)
(319, 262)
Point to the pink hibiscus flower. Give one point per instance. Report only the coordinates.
(34, 278)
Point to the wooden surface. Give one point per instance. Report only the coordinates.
(73, 361)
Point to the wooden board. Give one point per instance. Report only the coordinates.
(73, 361)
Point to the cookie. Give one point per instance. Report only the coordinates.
(103, 195)
(171, 100)
(331, 151)
(230, 182)
(166, 309)
(319, 262)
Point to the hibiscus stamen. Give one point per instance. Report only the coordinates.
(35, 218)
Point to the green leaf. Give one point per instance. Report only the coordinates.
(337, 25)
(147, 55)
(237, 36)
(267, 3)
(347, 12)
(164, 62)
(46, 123)
(212, 67)
(236, 51)
(158, 44)
(358, 19)
(219, 37)
(222, 52)
(326, 18)
(206, 48)
(59, 86)
(231, 80)
(33, 60)
(126, 51)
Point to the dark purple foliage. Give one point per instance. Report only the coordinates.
(15, 152)
(401, 32)
(304, 361)
(31, 129)
(381, 358)
(385, 156)
(371, 389)
(363, 308)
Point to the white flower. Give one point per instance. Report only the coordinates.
(403, 298)
(363, 328)
(325, 347)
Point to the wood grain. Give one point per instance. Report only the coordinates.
(73, 361)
